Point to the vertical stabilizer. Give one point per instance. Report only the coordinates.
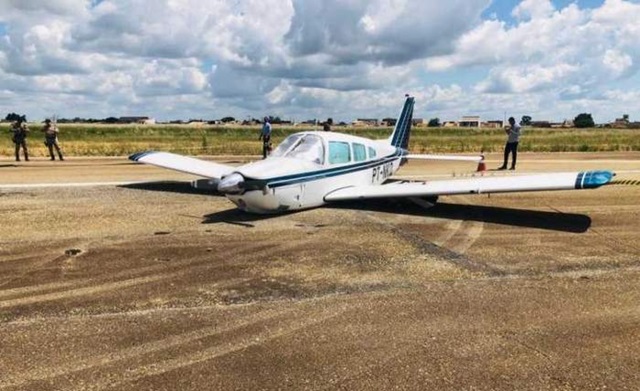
(400, 136)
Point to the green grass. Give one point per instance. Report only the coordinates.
(122, 140)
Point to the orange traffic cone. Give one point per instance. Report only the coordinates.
(482, 166)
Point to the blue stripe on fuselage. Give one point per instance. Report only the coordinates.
(331, 172)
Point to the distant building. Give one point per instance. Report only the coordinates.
(136, 120)
(567, 123)
(450, 124)
(493, 124)
(621, 123)
(540, 124)
(389, 122)
(470, 121)
(366, 122)
(418, 122)
(312, 122)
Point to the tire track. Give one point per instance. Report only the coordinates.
(451, 228)
(44, 373)
(271, 327)
(293, 325)
(129, 278)
(446, 254)
(85, 291)
(465, 237)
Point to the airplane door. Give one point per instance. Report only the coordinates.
(290, 196)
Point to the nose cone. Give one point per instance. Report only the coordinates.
(232, 184)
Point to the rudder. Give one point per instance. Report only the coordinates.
(401, 132)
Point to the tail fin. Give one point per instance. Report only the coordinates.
(400, 136)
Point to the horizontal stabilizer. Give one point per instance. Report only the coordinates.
(183, 164)
(477, 185)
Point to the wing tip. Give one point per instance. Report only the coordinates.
(139, 155)
(594, 179)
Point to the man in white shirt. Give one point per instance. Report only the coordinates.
(265, 136)
(513, 132)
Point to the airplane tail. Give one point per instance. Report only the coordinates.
(400, 136)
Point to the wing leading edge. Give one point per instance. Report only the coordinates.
(478, 185)
(183, 164)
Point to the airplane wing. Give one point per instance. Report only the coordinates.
(477, 185)
(183, 163)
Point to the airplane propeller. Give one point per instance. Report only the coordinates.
(236, 183)
(231, 184)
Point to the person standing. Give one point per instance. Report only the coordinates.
(511, 147)
(19, 138)
(51, 138)
(265, 136)
(327, 125)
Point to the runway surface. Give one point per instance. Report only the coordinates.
(120, 276)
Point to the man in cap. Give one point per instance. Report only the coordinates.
(19, 138)
(51, 138)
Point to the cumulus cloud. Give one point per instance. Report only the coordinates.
(387, 31)
(314, 58)
(12, 9)
(533, 9)
(568, 54)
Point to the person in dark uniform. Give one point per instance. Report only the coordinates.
(51, 138)
(265, 136)
(19, 138)
(327, 125)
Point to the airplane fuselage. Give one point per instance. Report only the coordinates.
(294, 183)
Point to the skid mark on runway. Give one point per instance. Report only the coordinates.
(54, 286)
(465, 237)
(111, 358)
(91, 290)
(34, 268)
(293, 324)
(450, 229)
(129, 278)
(185, 349)
(443, 253)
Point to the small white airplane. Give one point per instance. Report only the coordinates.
(310, 169)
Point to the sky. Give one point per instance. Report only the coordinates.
(305, 59)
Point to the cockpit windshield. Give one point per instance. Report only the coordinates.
(301, 146)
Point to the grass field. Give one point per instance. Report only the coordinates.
(122, 140)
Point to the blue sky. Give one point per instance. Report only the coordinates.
(302, 59)
(502, 8)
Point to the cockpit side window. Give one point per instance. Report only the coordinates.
(372, 153)
(286, 144)
(359, 152)
(339, 152)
